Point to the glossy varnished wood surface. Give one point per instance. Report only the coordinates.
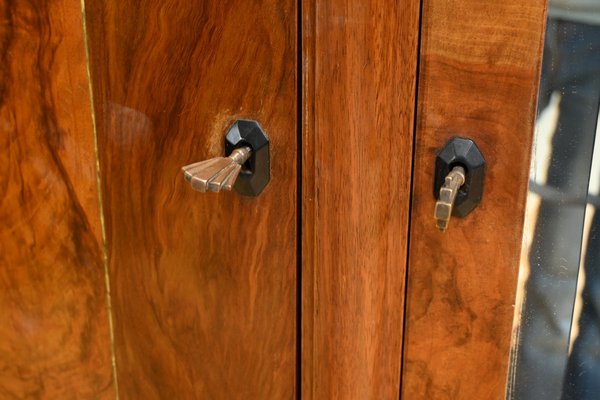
(478, 79)
(54, 335)
(203, 285)
(359, 79)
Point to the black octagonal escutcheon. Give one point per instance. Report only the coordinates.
(461, 152)
(256, 172)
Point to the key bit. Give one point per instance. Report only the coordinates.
(443, 207)
(218, 173)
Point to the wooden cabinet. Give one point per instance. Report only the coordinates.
(334, 283)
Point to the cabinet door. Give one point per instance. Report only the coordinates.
(54, 333)
(479, 67)
(203, 286)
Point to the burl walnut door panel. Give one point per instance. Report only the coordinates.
(54, 330)
(203, 285)
(479, 69)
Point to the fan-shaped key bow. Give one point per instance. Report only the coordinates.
(218, 173)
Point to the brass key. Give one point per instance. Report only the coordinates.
(218, 173)
(443, 207)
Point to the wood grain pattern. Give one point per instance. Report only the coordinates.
(54, 335)
(359, 60)
(203, 284)
(478, 78)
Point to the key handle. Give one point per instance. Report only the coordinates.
(448, 192)
(216, 174)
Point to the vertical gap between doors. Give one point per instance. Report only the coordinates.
(100, 203)
(410, 203)
(299, 97)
